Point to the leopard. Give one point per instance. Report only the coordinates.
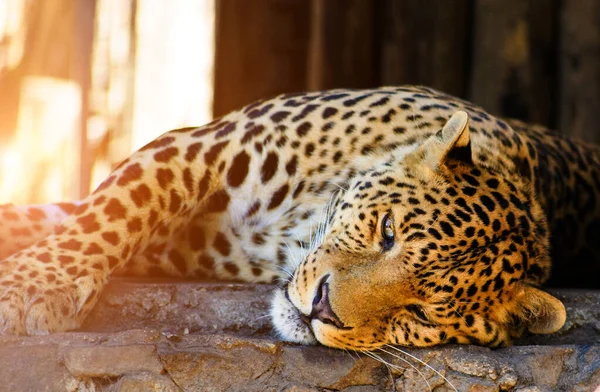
(392, 215)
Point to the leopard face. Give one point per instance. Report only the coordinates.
(424, 249)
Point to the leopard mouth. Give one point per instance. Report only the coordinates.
(292, 325)
(305, 319)
(289, 323)
(321, 307)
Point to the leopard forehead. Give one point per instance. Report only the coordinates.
(466, 200)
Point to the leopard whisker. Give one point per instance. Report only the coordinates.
(391, 365)
(419, 361)
(289, 274)
(337, 185)
(261, 317)
(295, 262)
(323, 222)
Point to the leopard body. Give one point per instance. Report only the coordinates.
(393, 215)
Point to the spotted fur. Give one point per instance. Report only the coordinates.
(403, 216)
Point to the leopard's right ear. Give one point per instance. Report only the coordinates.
(451, 143)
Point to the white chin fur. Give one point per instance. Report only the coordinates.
(286, 320)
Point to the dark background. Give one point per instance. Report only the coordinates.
(536, 60)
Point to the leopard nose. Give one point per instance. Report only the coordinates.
(321, 308)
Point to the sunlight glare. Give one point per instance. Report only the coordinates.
(11, 168)
(174, 67)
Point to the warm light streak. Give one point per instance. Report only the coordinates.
(11, 169)
(42, 161)
(174, 67)
(12, 32)
(172, 87)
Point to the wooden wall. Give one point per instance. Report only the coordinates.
(57, 46)
(537, 60)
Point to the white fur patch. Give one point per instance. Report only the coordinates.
(287, 322)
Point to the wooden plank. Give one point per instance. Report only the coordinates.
(81, 65)
(57, 50)
(47, 50)
(424, 42)
(341, 52)
(580, 66)
(514, 58)
(261, 50)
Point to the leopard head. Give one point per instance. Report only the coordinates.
(426, 248)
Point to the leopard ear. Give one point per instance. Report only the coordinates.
(540, 312)
(452, 142)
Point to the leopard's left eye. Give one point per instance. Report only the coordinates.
(418, 311)
(387, 232)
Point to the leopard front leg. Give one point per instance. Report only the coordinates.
(52, 285)
(23, 226)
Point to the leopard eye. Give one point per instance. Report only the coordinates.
(418, 311)
(387, 232)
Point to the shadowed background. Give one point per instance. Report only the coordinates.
(83, 83)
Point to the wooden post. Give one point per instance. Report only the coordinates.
(580, 66)
(514, 58)
(81, 64)
(424, 42)
(261, 50)
(50, 85)
(341, 52)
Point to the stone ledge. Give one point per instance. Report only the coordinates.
(188, 336)
(169, 362)
(175, 306)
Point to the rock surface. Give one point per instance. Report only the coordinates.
(173, 336)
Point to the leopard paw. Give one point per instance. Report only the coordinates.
(38, 307)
